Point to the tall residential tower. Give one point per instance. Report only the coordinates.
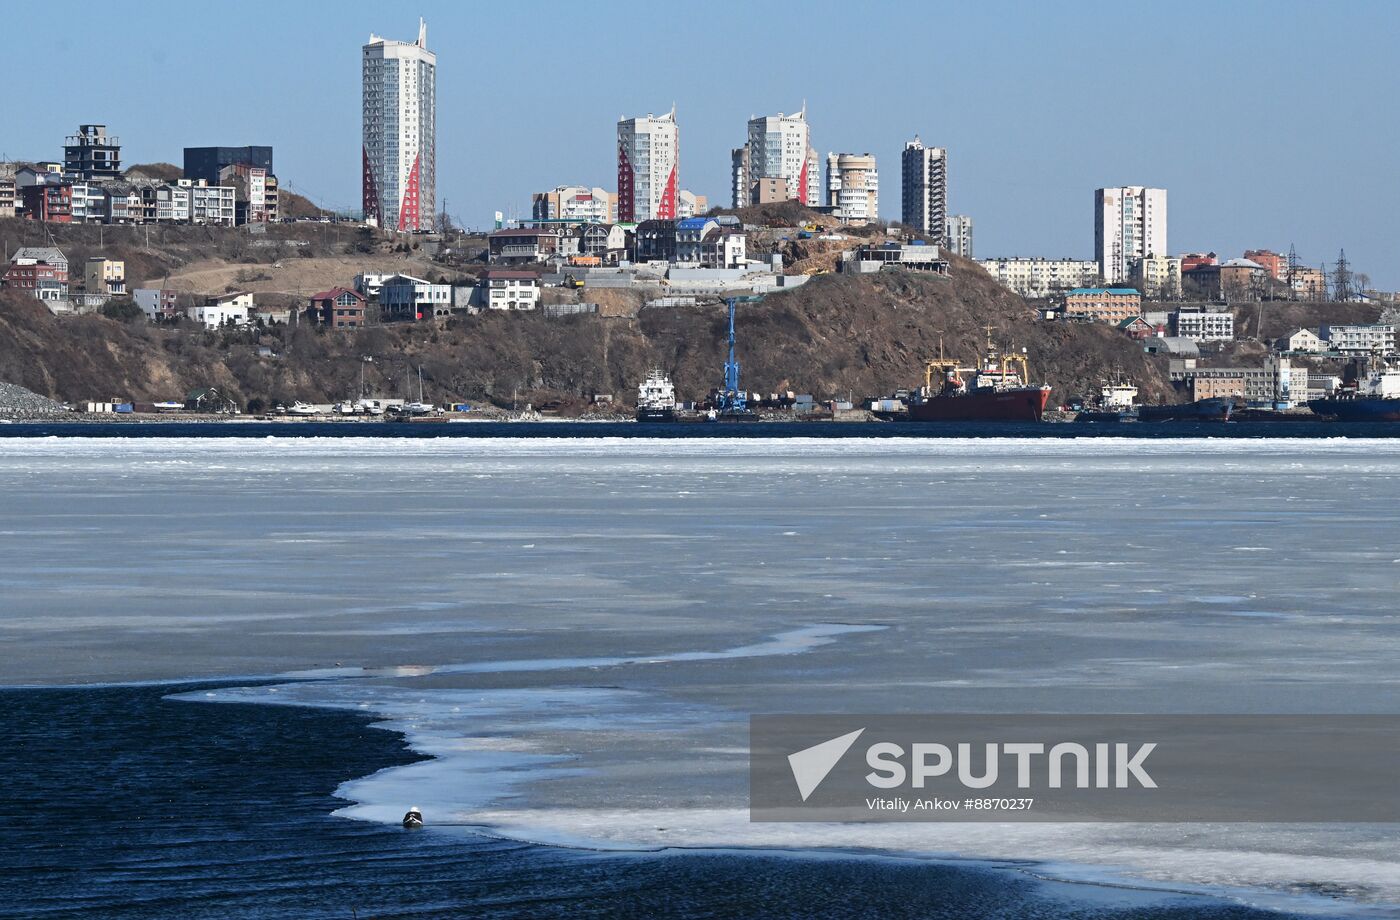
(778, 150)
(1130, 222)
(648, 167)
(925, 202)
(400, 132)
(853, 187)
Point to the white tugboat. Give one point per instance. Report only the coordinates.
(656, 399)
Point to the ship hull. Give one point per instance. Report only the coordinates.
(1358, 410)
(1022, 404)
(1202, 410)
(656, 415)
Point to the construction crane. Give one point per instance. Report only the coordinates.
(731, 399)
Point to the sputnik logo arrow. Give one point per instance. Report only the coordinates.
(811, 765)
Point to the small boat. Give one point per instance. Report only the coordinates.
(414, 818)
(301, 408)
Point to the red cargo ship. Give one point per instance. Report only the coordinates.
(993, 392)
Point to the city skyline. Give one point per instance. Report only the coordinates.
(1026, 180)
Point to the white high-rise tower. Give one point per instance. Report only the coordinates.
(648, 167)
(400, 132)
(1130, 222)
(778, 147)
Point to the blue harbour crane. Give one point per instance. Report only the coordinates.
(731, 398)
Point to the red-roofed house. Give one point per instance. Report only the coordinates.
(340, 308)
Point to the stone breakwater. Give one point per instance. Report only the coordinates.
(18, 403)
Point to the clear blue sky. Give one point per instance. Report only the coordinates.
(1268, 122)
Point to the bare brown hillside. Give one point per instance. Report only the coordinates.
(861, 335)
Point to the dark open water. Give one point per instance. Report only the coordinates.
(119, 803)
(252, 429)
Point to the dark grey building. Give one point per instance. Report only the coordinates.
(206, 162)
(92, 154)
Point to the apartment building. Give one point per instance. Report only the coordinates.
(957, 235)
(575, 204)
(255, 198)
(1037, 277)
(779, 147)
(7, 190)
(1103, 305)
(92, 154)
(399, 132)
(689, 204)
(1156, 276)
(1203, 325)
(648, 168)
(1275, 265)
(853, 187)
(1130, 222)
(924, 204)
(1359, 340)
(211, 204)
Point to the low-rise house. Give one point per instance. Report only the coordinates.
(509, 290)
(223, 310)
(157, 303)
(42, 272)
(1204, 325)
(1304, 341)
(172, 204)
(1137, 327)
(1359, 340)
(1104, 305)
(724, 248)
(404, 297)
(522, 246)
(104, 276)
(368, 283)
(121, 204)
(606, 242)
(339, 308)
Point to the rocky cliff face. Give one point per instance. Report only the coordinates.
(836, 335)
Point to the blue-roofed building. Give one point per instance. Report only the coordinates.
(690, 235)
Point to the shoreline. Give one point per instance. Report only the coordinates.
(1093, 881)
